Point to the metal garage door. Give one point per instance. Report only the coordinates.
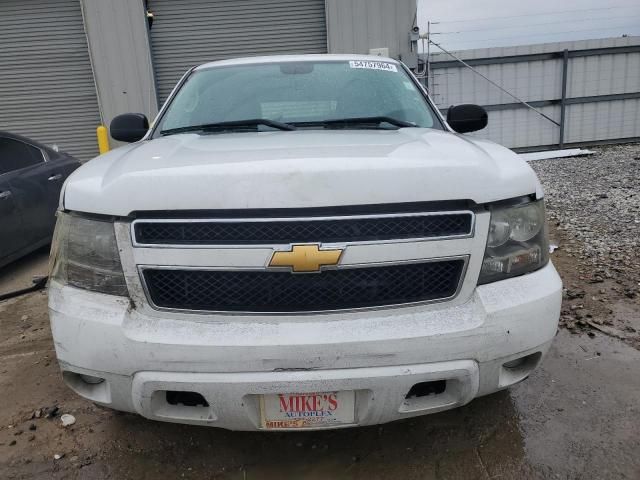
(47, 90)
(190, 32)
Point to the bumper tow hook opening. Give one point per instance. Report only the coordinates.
(187, 399)
(91, 380)
(424, 389)
(528, 362)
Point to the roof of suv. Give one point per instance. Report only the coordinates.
(294, 58)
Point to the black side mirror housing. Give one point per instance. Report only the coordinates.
(129, 127)
(467, 118)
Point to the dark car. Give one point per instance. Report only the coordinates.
(31, 176)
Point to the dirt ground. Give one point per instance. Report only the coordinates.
(576, 417)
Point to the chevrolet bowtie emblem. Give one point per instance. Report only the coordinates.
(305, 258)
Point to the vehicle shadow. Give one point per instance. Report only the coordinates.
(480, 440)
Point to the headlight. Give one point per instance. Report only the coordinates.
(517, 242)
(84, 254)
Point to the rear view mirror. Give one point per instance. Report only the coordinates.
(129, 127)
(296, 68)
(467, 118)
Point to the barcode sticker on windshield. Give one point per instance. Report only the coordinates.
(372, 65)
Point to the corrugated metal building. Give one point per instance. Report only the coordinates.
(602, 95)
(47, 90)
(69, 65)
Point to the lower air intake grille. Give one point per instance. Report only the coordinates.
(264, 291)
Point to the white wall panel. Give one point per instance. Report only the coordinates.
(603, 120)
(355, 26)
(120, 57)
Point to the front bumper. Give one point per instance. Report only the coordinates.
(231, 360)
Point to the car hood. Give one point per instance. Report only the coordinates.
(304, 168)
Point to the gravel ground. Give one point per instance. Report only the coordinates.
(593, 206)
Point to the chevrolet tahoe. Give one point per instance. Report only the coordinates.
(300, 242)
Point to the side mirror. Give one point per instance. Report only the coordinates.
(129, 127)
(467, 118)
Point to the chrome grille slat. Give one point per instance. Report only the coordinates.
(265, 231)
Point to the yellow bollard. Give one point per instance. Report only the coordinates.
(103, 139)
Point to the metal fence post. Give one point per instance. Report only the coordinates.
(563, 100)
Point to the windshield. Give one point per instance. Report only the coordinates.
(307, 94)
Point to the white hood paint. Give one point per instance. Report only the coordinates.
(304, 168)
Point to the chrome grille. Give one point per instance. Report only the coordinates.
(272, 291)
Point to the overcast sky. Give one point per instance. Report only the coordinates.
(489, 23)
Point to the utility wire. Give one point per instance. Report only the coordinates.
(494, 83)
(534, 35)
(538, 14)
(536, 24)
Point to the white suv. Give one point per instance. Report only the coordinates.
(300, 242)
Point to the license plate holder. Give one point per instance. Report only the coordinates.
(284, 411)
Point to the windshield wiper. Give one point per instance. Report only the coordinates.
(232, 125)
(338, 122)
